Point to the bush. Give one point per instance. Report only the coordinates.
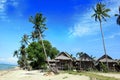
(103, 67)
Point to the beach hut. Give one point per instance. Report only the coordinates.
(111, 62)
(86, 62)
(64, 61)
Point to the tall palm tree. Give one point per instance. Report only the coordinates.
(118, 17)
(39, 28)
(79, 54)
(100, 14)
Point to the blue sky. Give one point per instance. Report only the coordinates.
(70, 26)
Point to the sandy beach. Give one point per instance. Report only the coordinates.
(37, 75)
(17, 74)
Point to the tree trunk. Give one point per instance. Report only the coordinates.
(44, 49)
(104, 45)
(80, 63)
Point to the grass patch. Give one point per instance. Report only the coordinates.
(92, 76)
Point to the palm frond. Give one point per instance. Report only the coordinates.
(116, 14)
(31, 19)
(118, 20)
(119, 9)
(93, 15)
(106, 10)
(100, 12)
(106, 15)
(15, 53)
(103, 18)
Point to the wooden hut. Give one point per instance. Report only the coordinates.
(64, 61)
(86, 62)
(111, 62)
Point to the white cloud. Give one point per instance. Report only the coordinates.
(87, 25)
(10, 60)
(2, 10)
(79, 30)
(3, 6)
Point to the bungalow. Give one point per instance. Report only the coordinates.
(111, 62)
(85, 62)
(64, 61)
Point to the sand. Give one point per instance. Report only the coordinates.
(37, 75)
(17, 74)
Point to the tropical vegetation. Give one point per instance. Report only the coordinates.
(35, 51)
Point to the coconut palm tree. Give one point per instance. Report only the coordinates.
(79, 54)
(118, 17)
(21, 55)
(25, 40)
(99, 15)
(35, 35)
(39, 28)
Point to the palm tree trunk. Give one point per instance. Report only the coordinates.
(104, 45)
(80, 63)
(44, 50)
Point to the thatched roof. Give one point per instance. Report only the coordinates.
(103, 59)
(86, 57)
(52, 60)
(63, 56)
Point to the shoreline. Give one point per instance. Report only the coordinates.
(6, 71)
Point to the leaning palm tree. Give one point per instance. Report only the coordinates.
(39, 28)
(100, 14)
(118, 17)
(79, 54)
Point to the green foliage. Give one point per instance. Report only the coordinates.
(100, 12)
(104, 67)
(22, 56)
(36, 53)
(53, 52)
(39, 23)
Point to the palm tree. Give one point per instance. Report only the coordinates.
(79, 54)
(23, 55)
(100, 14)
(118, 17)
(35, 35)
(39, 26)
(25, 39)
